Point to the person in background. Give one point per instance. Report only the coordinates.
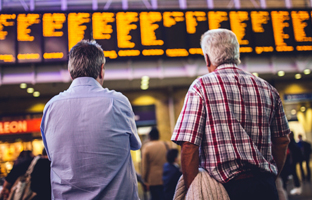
(306, 151)
(20, 167)
(88, 132)
(153, 160)
(295, 158)
(171, 174)
(232, 124)
(40, 178)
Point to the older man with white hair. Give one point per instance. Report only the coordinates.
(232, 124)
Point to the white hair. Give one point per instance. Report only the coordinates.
(221, 46)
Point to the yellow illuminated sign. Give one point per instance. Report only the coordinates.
(191, 19)
(123, 53)
(51, 22)
(28, 56)
(110, 54)
(148, 27)
(124, 25)
(56, 55)
(194, 51)
(7, 57)
(215, 18)
(171, 18)
(153, 52)
(278, 23)
(102, 30)
(258, 19)
(177, 52)
(238, 26)
(299, 24)
(24, 21)
(76, 29)
(5, 20)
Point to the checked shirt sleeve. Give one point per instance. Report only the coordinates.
(279, 125)
(191, 122)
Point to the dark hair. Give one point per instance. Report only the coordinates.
(44, 152)
(154, 134)
(85, 59)
(172, 154)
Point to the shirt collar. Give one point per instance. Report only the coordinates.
(227, 66)
(84, 81)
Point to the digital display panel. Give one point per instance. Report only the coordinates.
(262, 31)
(79, 27)
(175, 34)
(282, 30)
(302, 27)
(128, 34)
(196, 25)
(54, 37)
(104, 32)
(7, 38)
(48, 36)
(240, 25)
(151, 34)
(29, 38)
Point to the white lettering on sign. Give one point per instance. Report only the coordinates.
(13, 127)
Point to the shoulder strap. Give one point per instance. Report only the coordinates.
(32, 165)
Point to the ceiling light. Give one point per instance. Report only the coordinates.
(144, 87)
(145, 78)
(307, 71)
(30, 90)
(255, 74)
(302, 109)
(298, 76)
(23, 85)
(293, 111)
(280, 73)
(36, 94)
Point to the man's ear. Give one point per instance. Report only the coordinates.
(101, 75)
(208, 63)
(70, 74)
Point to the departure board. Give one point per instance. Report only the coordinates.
(104, 32)
(128, 34)
(196, 25)
(282, 30)
(7, 38)
(174, 23)
(54, 37)
(151, 35)
(262, 31)
(79, 27)
(48, 36)
(29, 38)
(302, 27)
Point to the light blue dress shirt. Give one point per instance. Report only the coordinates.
(88, 132)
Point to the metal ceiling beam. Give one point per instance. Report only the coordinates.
(125, 4)
(94, 4)
(32, 5)
(155, 5)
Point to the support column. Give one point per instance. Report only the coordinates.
(94, 4)
(155, 6)
(182, 4)
(32, 5)
(263, 4)
(63, 4)
(288, 4)
(125, 4)
(210, 4)
(237, 4)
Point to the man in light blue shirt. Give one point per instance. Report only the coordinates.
(88, 132)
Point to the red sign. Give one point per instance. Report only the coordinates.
(20, 126)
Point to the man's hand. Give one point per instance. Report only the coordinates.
(189, 162)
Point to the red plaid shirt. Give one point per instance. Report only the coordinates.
(232, 116)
